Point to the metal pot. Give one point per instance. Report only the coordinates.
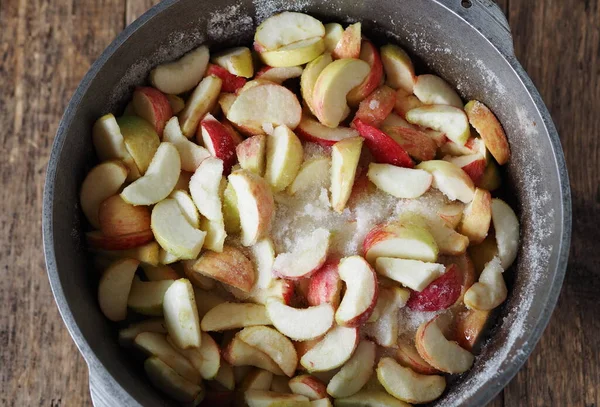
(471, 47)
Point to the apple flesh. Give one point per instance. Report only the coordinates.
(325, 285)
(308, 386)
(384, 328)
(218, 141)
(470, 326)
(284, 157)
(384, 149)
(348, 45)
(239, 353)
(433, 90)
(191, 154)
(370, 398)
(333, 34)
(230, 82)
(273, 344)
(159, 273)
(141, 140)
(100, 183)
(415, 142)
(187, 207)
(361, 293)
(506, 226)
(369, 54)
(181, 315)
(257, 379)
(313, 131)
(355, 373)
(413, 274)
(262, 398)
(440, 294)
(473, 165)
(450, 120)
(313, 174)
(345, 155)
(377, 106)
(309, 77)
(406, 385)
(286, 28)
(232, 315)
(202, 100)
(406, 101)
(225, 377)
(114, 288)
(294, 54)
(300, 324)
(408, 356)
(336, 347)
(205, 188)
(477, 217)
(230, 267)
(237, 61)
(279, 74)
(306, 259)
(153, 106)
(110, 145)
(450, 180)
(400, 182)
(117, 217)
(177, 103)
(170, 382)
(146, 253)
(398, 68)
(490, 129)
(400, 240)
(215, 234)
(206, 359)
(490, 291)
(181, 75)
(127, 335)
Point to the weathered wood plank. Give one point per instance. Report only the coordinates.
(135, 8)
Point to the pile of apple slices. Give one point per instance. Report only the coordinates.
(182, 202)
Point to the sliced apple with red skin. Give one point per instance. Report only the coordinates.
(114, 288)
(218, 141)
(384, 330)
(202, 100)
(466, 269)
(284, 158)
(300, 324)
(451, 180)
(231, 83)
(490, 129)
(181, 315)
(406, 101)
(312, 130)
(325, 285)
(355, 373)
(385, 150)
(415, 142)
(348, 45)
(470, 326)
(336, 347)
(406, 385)
(117, 217)
(101, 182)
(286, 28)
(447, 239)
(332, 86)
(309, 256)
(309, 77)
(181, 75)
(239, 353)
(506, 226)
(408, 356)
(127, 335)
(232, 315)
(153, 106)
(474, 165)
(279, 74)
(398, 68)
(400, 240)
(110, 145)
(433, 90)
(237, 61)
(313, 174)
(190, 153)
(361, 291)
(297, 53)
(206, 359)
(450, 120)
(171, 383)
(490, 291)
(230, 266)
(377, 106)
(255, 204)
(440, 294)
(369, 54)
(373, 398)
(205, 188)
(413, 274)
(97, 240)
(262, 398)
(345, 155)
(308, 386)
(477, 217)
(473, 145)
(400, 182)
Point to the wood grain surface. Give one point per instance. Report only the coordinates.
(46, 46)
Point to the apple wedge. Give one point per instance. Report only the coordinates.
(231, 214)
(300, 324)
(451, 213)
(181, 75)
(332, 86)
(325, 285)
(280, 384)
(171, 383)
(490, 291)
(197, 279)
(385, 328)
(284, 157)
(408, 386)
(215, 234)
(121, 246)
(441, 293)
(408, 356)
(110, 145)
(202, 100)
(470, 326)
(415, 142)
(141, 140)
(308, 386)
(177, 103)
(205, 188)
(413, 274)
(312, 130)
(309, 256)
(153, 106)
(255, 204)
(383, 147)
(206, 359)
(103, 181)
(238, 61)
(348, 45)
(181, 315)
(190, 153)
(406, 101)
(400, 240)
(345, 155)
(333, 34)
(117, 217)
(239, 353)
(262, 254)
(114, 288)
(399, 70)
(336, 347)
(400, 182)
(297, 53)
(490, 129)
(251, 154)
(127, 335)
(355, 373)
(231, 315)
(146, 253)
(444, 355)
(450, 180)
(257, 379)
(361, 292)
(433, 90)
(313, 174)
(370, 398)
(450, 120)
(158, 181)
(506, 225)
(447, 239)
(262, 398)
(159, 273)
(477, 217)
(187, 207)
(218, 141)
(286, 28)
(230, 82)
(147, 297)
(309, 77)
(473, 165)
(230, 266)
(273, 344)
(279, 75)
(369, 54)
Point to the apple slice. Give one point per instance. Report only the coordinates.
(238, 61)
(415, 142)
(308, 386)
(273, 344)
(103, 181)
(177, 103)
(153, 106)
(408, 386)
(206, 359)
(313, 131)
(146, 297)
(384, 330)
(345, 155)
(433, 90)
(369, 54)
(281, 290)
(197, 279)
(205, 188)
(361, 292)
(262, 398)
(231, 315)
(218, 141)
(413, 274)
(190, 153)
(447, 239)
(114, 288)
(444, 355)
(300, 324)
(147, 253)
(470, 326)
(400, 240)
(280, 384)
(448, 119)
(286, 28)
(309, 256)
(506, 225)
(255, 204)
(325, 285)
(384, 148)
(450, 180)
(491, 179)
(311, 74)
(187, 207)
(206, 300)
(230, 82)
(170, 382)
(355, 373)
(332, 351)
(406, 101)
(477, 217)
(231, 267)
(257, 379)
(440, 294)
(370, 398)
(110, 145)
(377, 106)
(279, 74)
(159, 273)
(158, 181)
(408, 356)
(332, 86)
(348, 45)
(490, 129)
(202, 100)
(490, 291)
(284, 157)
(181, 75)
(400, 182)
(398, 68)
(127, 335)
(262, 254)
(451, 213)
(333, 34)
(473, 145)
(297, 53)
(215, 234)
(141, 140)
(231, 214)
(313, 174)
(239, 353)
(117, 217)
(225, 376)
(121, 243)
(251, 154)
(473, 165)
(181, 315)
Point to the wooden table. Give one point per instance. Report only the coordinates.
(47, 46)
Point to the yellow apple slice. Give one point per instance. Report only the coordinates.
(286, 28)
(370, 398)
(361, 292)
(308, 386)
(251, 154)
(238, 61)
(284, 157)
(170, 382)
(444, 355)
(232, 315)
(158, 181)
(451, 180)
(205, 188)
(344, 161)
(399, 70)
(188, 209)
(506, 226)
(230, 266)
(433, 90)
(400, 182)
(490, 129)
(255, 204)
(181, 75)
(313, 174)
(332, 351)
(348, 45)
(206, 359)
(355, 373)
(448, 119)
(308, 257)
(406, 385)
(181, 315)
(141, 140)
(490, 291)
(311, 74)
(477, 217)
(333, 34)
(300, 324)
(103, 181)
(297, 53)
(400, 240)
(203, 100)
(239, 353)
(333, 84)
(114, 288)
(127, 335)
(146, 297)
(110, 145)
(263, 398)
(279, 74)
(190, 153)
(273, 344)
